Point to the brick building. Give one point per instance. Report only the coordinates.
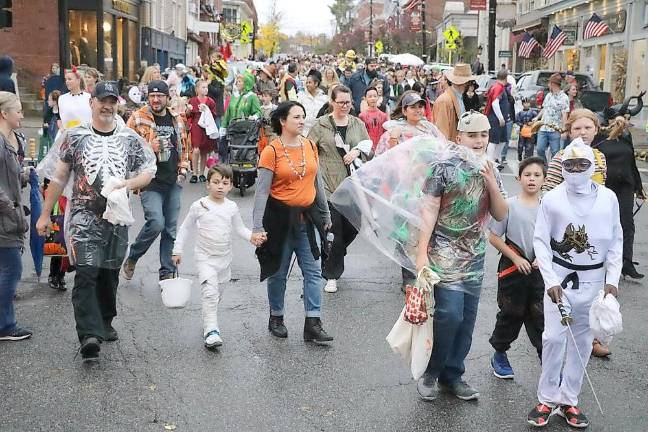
(32, 41)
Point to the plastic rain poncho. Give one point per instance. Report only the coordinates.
(387, 197)
(85, 161)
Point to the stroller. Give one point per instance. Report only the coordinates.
(242, 138)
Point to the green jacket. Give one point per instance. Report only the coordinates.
(244, 106)
(331, 164)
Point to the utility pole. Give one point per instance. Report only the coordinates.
(371, 39)
(424, 56)
(492, 11)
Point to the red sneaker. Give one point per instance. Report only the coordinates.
(539, 416)
(573, 416)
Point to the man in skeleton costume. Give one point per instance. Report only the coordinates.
(578, 243)
(91, 154)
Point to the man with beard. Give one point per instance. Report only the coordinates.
(93, 154)
(167, 134)
(360, 81)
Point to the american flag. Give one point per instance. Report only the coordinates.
(411, 5)
(554, 42)
(527, 45)
(595, 27)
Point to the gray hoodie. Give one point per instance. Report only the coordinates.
(13, 224)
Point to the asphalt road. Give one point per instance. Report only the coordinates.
(158, 376)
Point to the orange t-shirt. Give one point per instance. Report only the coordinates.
(287, 187)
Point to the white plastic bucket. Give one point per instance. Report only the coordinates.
(175, 292)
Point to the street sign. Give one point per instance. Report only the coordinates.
(451, 46)
(478, 5)
(451, 33)
(506, 54)
(378, 46)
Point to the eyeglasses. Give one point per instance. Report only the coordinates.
(576, 164)
(343, 104)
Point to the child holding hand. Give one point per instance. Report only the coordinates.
(214, 218)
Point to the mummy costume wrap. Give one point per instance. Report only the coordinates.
(578, 243)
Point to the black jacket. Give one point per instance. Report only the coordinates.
(6, 69)
(278, 220)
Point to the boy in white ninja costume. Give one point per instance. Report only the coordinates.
(578, 244)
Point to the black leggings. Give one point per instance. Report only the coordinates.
(344, 233)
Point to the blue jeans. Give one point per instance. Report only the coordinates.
(297, 242)
(455, 311)
(10, 273)
(161, 211)
(548, 138)
(505, 147)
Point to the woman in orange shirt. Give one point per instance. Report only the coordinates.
(290, 206)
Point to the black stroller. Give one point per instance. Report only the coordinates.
(242, 138)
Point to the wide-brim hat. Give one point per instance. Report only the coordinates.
(267, 72)
(460, 74)
(350, 54)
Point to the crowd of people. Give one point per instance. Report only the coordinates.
(337, 132)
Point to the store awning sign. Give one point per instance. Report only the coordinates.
(478, 5)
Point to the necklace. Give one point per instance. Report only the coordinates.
(302, 164)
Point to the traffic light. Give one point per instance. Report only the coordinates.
(5, 14)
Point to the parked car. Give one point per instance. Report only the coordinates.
(535, 84)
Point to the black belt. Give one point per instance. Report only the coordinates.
(576, 267)
(573, 277)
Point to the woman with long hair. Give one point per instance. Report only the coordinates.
(151, 73)
(201, 143)
(290, 206)
(13, 224)
(341, 139)
(74, 106)
(329, 78)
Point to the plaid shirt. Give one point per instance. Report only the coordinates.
(143, 123)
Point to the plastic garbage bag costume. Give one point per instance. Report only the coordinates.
(386, 197)
(92, 159)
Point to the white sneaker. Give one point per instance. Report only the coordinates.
(331, 286)
(213, 339)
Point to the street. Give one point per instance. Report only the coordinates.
(158, 376)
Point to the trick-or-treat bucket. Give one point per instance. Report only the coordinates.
(175, 292)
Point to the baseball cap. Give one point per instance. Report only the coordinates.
(158, 86)
(411, 99)
(104, 89)
(473, 121)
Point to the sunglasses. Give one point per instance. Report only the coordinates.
(576, 164)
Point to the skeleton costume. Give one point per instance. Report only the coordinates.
(578, 244)
(214, 223)
(97, 246)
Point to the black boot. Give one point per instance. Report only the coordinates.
(110, 332)
(313, 331)
(90, 348)
(277, 327)
(61, 283)
(630, 271)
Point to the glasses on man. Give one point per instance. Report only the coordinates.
(576, 164)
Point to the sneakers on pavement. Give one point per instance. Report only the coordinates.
(90, 348)
(427, 388)
(460, 389)
(501, 366)
(573, 416)
(128, 269)
(17, 335)
(213, 339)
(331, 286)
(110, 332)
(539, 415)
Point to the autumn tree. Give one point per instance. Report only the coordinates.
(341, 10)
(270, 35)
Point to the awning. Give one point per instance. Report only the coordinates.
(527, 26)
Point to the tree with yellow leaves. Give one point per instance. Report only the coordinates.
(270, 36)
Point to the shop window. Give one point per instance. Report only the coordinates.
(119, 48)
(645, 15)
(230, 15)
(108, 28)
(6, 18)
(83, 38)
(133, 56)
(619, 72)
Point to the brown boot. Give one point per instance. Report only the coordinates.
(598, 350)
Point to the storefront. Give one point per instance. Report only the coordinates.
(102, 34)
(162, 48)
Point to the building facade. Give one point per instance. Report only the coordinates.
(164, 32)
(616, 61)
(466, 22)
(234, 14)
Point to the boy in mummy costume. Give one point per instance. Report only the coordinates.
(578, 244)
